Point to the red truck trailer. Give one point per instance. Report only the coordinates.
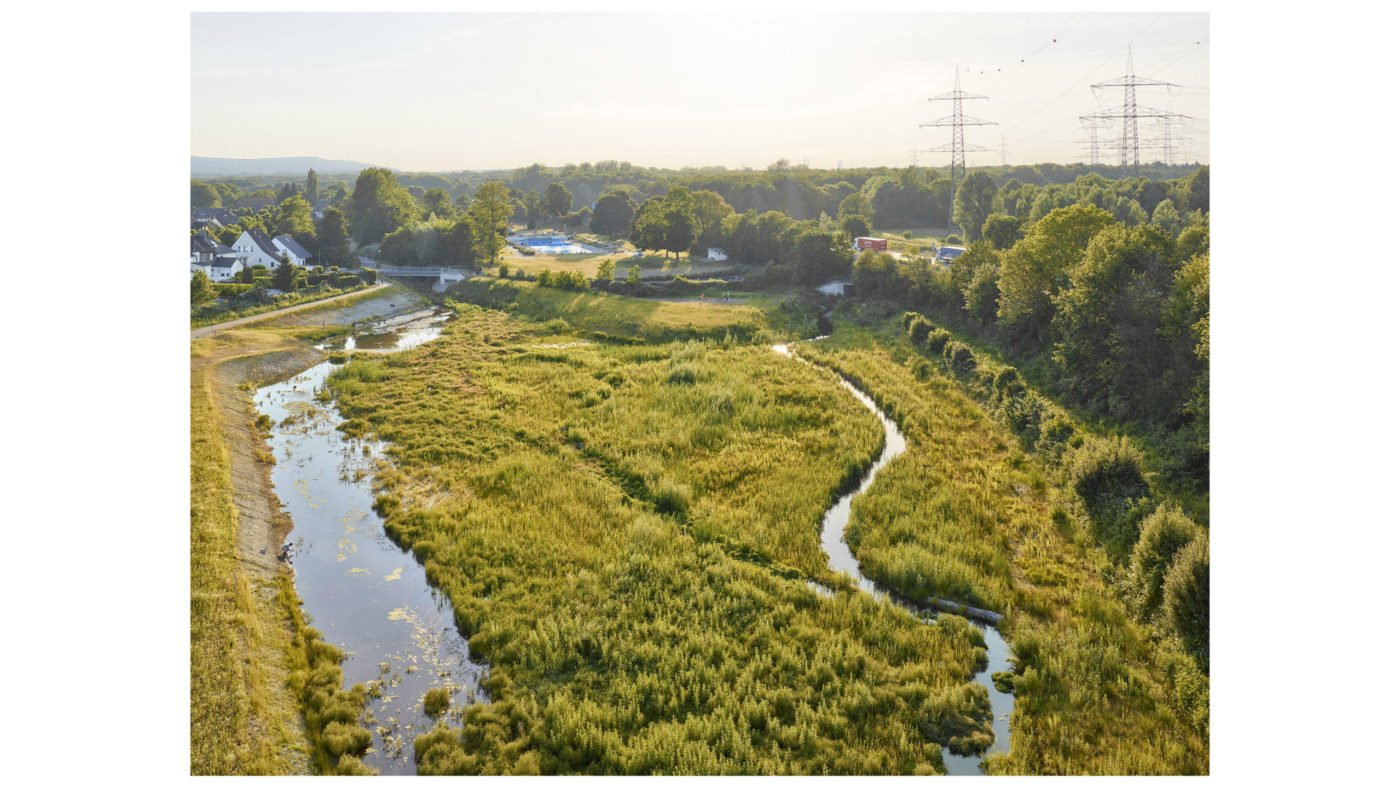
(878, 244)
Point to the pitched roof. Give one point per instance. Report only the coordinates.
(254, 202)
(264, 243)
(202, 242)
(292, 247)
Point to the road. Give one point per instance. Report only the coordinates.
(205, 331)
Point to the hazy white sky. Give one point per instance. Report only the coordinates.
(479, 91)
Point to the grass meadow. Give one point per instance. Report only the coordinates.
(625, 533)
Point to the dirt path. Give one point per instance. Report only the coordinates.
(204, 331)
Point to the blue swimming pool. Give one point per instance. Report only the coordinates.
(553, 244)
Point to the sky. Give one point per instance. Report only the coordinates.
(442, 92)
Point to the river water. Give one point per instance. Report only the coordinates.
(362, 591)
(841, 559)
(373, 600)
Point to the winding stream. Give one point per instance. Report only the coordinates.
(373, 600)
(364, 593)
(841, 559)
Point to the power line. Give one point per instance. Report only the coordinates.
(957, 147)
(1131, 112)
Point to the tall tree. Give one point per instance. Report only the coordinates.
(533, 206)
(975, 201)
(1111, 351)
(285, 277)
(649, 225)
(294, 219)
(557, 200)
(378, 206)
(202, 195)
(1032, 271)
(1002, 230)
(313, 187)
(201, 289)
(333, 240)
(490, 213)
(710, 210)
(458, 244)
(437, 203)
(679, 220)
(613, 214)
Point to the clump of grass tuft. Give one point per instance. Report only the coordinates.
(672, 497)
(436, 700)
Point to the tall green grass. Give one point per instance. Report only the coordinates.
(627, 548)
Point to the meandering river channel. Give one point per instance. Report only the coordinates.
(841, 559)
(362, 591)
(372, 599)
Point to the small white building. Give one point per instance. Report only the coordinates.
(836, 287)
(294, 251)
(218, 262)
(716, 254)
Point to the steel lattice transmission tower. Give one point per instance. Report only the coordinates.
(957, 147)
(1130, 112)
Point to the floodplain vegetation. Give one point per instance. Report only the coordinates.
(1006, 501)
(621, 498)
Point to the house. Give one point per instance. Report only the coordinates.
(253, 247)
(294, 251)
(218, 262)
(836, 287)
(947, 254)
(716, 254)
(255, 203)
(318, 210)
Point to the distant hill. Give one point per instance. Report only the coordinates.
(281, 165)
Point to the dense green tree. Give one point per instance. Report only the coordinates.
(856, 204)
(457, 243)
(532, 206)
(287, 191)
(333, 240)
(1166, 217)
(436, 202)
(201, 289)
(313, 187)
(710, 210)
(819, 256)
(614, 213)
(557, 200)
(202, 195)
(679, 221)
(294, 219)
(1111, 350)
(980, 293)
(649, 226)
(1198, 190)
(1032, 270)
(976, 200)
(378, 206)
(1002, 230)
(490, 211)
(855, 226)
(284, 278)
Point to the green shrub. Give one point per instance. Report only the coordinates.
(1164, 533)
(1055, 434)
(1186, 598)
(1009, 383)
(343, 738)
(1108, 474)
(960, 357)
(919, 329)
(907, 318)
(937, 340)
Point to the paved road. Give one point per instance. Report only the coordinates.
(207, 330)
